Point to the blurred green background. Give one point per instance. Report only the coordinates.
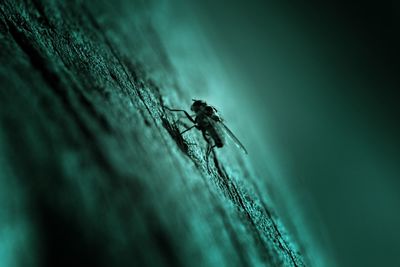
(316, 85)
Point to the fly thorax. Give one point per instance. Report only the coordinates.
(202, 121)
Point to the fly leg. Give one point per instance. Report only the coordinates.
(188, 116)
(188, 129)
(210, 149)
(209, 146)
(184, 111)
(182, 117)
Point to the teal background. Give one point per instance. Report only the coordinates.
(317, 83)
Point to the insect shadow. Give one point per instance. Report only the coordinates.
(174, 132)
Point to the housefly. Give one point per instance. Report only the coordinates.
(211, 125)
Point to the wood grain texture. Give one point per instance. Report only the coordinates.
(94, 171)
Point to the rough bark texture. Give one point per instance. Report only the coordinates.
(94, 171)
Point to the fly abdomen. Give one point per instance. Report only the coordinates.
(218, 142)
(216, 136)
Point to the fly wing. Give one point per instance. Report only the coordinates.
(233, 137)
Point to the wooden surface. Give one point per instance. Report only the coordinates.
(93, 170)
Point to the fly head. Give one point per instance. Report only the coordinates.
(198, 105)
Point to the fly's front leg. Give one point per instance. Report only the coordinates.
(182, 117)
(187, 116)
(184, 111)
